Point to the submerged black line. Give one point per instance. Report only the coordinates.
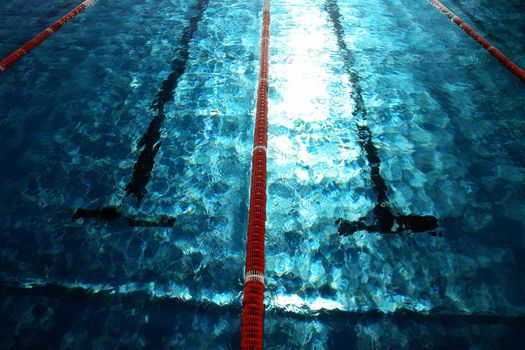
(359, 110)
(382, 219)
(113, 214)
(149, 144)
(110, 296)
(145, 300)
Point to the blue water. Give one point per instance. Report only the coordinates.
(446, 118)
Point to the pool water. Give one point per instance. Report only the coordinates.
(140, 114)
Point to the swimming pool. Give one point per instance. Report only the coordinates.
(347, 77)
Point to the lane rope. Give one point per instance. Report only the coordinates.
(511, 66)
(46, 33)
(252, 318)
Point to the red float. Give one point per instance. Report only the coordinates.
(520, 73)
(37, 40)
(252, 319)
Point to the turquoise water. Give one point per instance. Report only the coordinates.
(445, 118)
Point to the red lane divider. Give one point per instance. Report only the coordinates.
(520, 73)
(37, 40)
(252, 319)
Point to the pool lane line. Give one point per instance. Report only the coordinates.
(46, 33)
(149, 144)
(114, 214)
(144, 298)
(511, 66)
(384, 221)
(136, 297)
(252, 318)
